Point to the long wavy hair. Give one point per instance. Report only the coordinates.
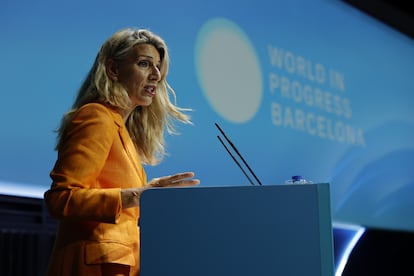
(145, 124)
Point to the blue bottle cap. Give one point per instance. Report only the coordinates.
(296, 177)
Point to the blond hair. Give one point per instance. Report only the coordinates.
(145, 124)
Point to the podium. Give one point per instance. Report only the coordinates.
(251, 230)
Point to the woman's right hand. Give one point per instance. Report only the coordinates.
(130, 197)
(177, 180)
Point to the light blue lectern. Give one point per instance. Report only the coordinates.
(251, 230)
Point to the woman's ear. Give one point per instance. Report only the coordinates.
(111, 69)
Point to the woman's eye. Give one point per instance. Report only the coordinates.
(143, 63)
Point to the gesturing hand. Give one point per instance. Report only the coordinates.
(177, 180)
(130, 196)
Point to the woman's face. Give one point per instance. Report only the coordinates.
(140, 74)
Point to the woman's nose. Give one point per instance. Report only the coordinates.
(155, 74)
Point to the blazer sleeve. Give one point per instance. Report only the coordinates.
(86, 145)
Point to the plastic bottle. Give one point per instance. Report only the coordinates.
(298, 179)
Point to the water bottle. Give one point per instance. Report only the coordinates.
(298, 179)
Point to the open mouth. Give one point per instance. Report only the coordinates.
(150, 90)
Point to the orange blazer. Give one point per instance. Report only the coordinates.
(96, 161)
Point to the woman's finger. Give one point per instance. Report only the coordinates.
(179, 179)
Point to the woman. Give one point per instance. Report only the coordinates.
(116, 125)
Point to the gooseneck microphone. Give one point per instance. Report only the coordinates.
(234, 158)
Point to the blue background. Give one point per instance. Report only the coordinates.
(48, 47)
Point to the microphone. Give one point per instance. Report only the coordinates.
(238, 153)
